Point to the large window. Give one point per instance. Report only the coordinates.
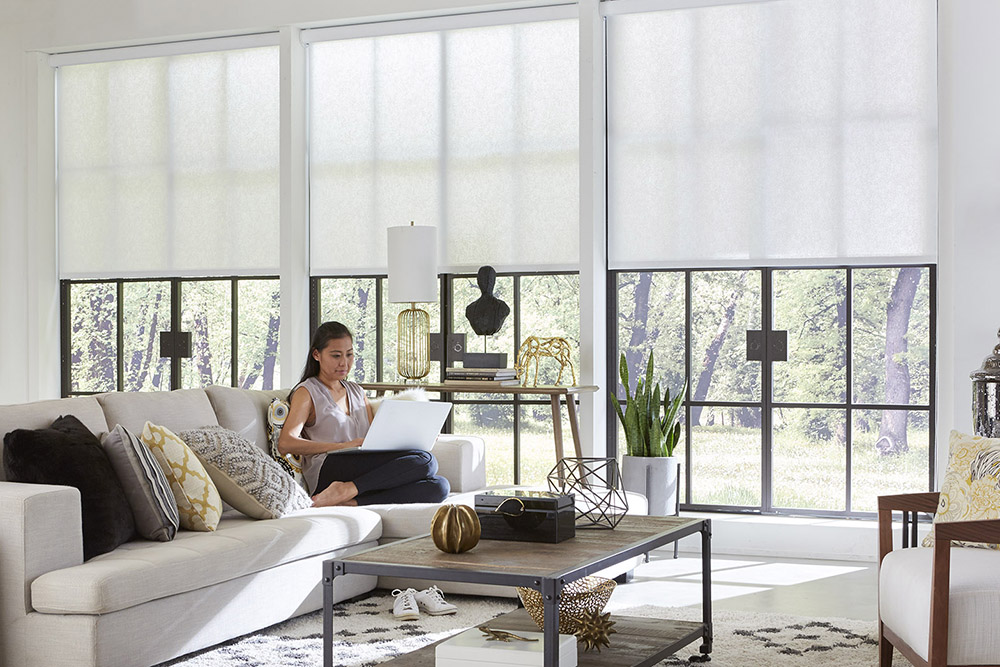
(772, 168)
(517, 430)
(843, 414)
(168, 217)
(111, 334)
(470, 124)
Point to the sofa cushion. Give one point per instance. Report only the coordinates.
(198, 500)
(177, 410)
(462, 461)
(247, 478)
(973, 611)
(42, 413)
(243, 411)
(146, 487)
(141, 571)
(68, 454)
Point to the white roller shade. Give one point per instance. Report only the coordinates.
(770, 133)
(169, 165)
(470, 130)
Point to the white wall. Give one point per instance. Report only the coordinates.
(969, 305)
(969, 59)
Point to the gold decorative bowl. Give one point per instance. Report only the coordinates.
(589, 594)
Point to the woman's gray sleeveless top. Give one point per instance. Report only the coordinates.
(332, 423)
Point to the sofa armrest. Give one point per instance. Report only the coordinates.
(462, 461)
(40, 531)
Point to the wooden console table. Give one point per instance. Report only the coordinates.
(554, 394)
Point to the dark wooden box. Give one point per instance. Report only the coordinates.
(526, 516)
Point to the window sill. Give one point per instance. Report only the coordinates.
(793, 537)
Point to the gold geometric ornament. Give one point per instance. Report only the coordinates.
(595, 630)
(534, 348)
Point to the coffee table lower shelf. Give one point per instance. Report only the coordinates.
(637, 642)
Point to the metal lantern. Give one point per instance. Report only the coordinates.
(985, 402)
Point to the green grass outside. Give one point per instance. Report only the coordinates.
(726, 466)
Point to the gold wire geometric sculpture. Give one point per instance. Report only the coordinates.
(413, 352)
(578, 598)
(534, 348)
(594, 483)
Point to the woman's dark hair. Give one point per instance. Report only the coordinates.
(324, 334)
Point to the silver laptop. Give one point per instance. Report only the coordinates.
(406, 425)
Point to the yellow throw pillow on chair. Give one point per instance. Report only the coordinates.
(971, 487)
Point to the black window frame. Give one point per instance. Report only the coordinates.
(66, 285)
(766, 403)
(444, 324)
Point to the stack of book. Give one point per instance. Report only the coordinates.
(483, 377)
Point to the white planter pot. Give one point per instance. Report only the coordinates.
(654, 477)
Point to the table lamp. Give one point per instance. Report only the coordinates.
(413, 279)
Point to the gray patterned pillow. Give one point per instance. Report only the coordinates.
(247, 478)
(146, 487)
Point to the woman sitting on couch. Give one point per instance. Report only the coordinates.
(327, 420)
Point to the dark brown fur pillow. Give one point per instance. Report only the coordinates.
(68, 454)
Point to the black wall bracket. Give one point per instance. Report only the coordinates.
(175, 344)
(772, 347)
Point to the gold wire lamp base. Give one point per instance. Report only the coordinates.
(413, 338)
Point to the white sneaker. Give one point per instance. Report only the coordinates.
(431, 601)
(405, 607)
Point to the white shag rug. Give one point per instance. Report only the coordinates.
(369, 634)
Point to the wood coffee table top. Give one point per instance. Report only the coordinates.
(527, 558)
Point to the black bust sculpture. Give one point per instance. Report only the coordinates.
(487, 313)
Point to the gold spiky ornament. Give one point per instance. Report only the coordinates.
(595, 630)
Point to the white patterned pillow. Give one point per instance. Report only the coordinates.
(247, 478)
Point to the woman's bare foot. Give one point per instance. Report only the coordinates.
(338, 493)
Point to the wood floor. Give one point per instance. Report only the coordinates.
(815, 588)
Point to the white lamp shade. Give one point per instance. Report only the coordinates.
(413, 264)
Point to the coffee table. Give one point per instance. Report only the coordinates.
(546, 568)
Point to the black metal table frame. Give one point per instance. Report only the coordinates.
(550, 587)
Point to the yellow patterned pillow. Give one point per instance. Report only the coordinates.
(197, 498)
(971, 487)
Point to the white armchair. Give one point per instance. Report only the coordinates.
(939, 606)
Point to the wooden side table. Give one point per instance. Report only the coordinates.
(555, 394)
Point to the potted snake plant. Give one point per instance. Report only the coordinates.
(652, 430)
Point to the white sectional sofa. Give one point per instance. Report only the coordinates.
(147, 602)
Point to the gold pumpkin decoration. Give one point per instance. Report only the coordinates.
(455, 528)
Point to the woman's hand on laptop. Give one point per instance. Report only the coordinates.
(350, 444)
